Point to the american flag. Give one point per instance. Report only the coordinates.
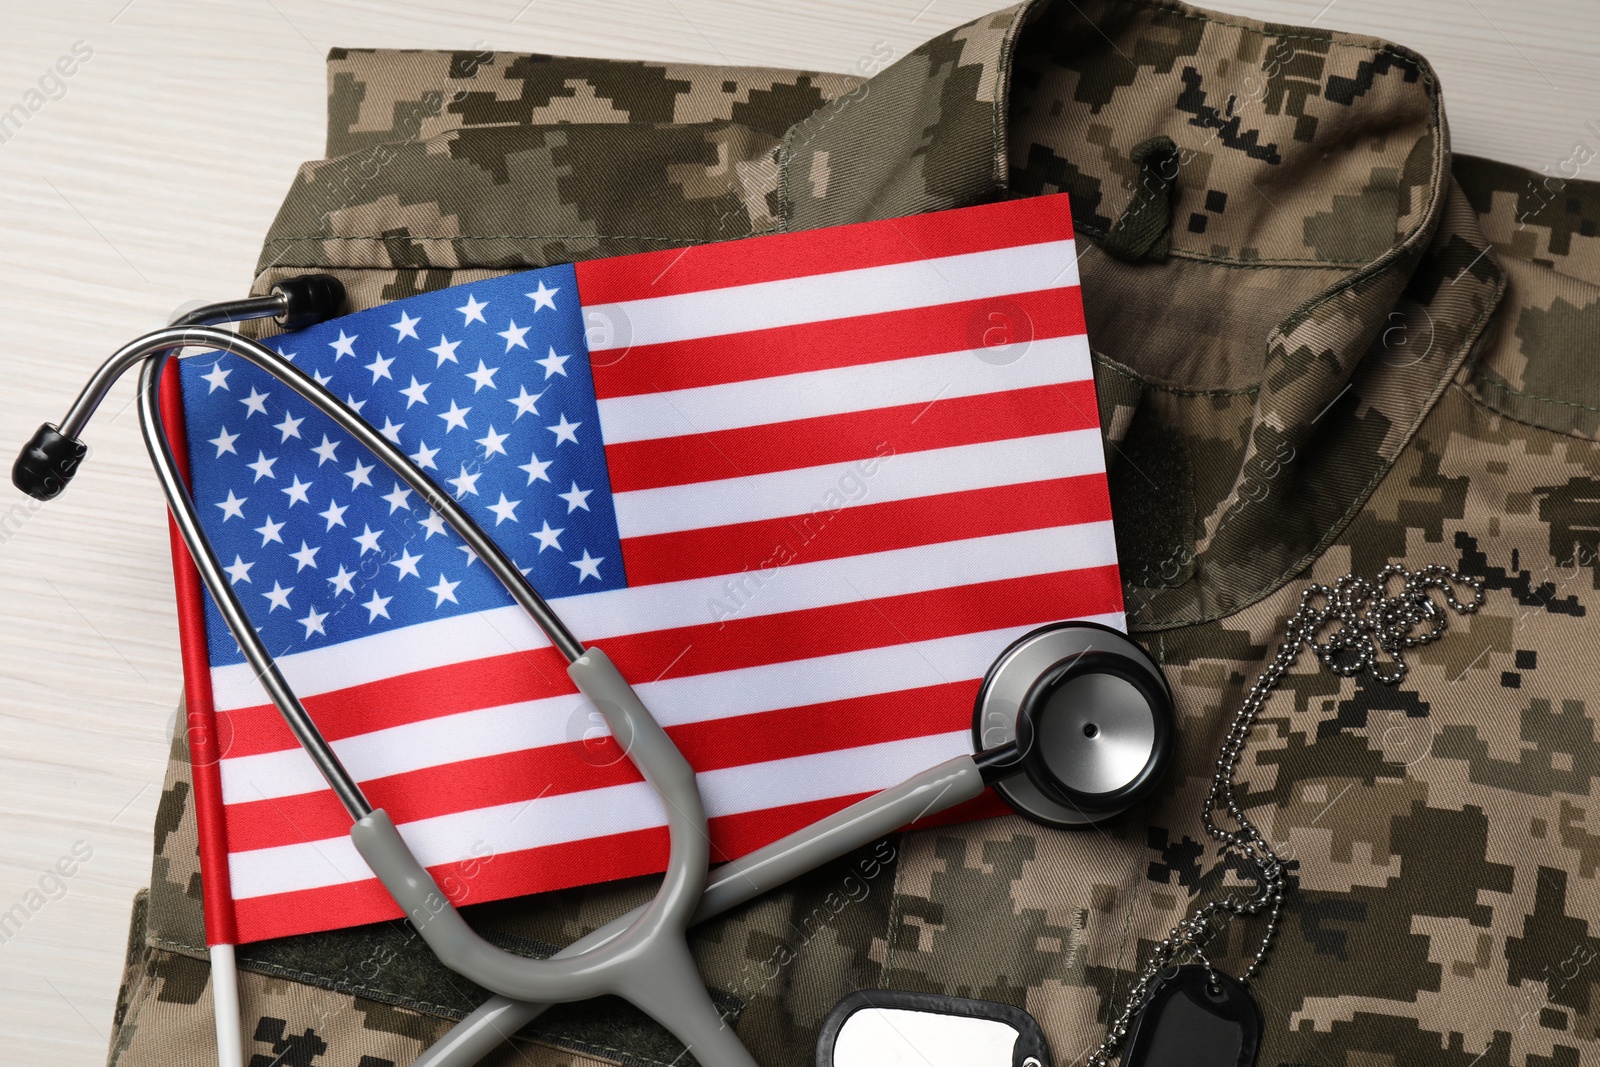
(802, 488)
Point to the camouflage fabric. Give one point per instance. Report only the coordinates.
(1321, 343)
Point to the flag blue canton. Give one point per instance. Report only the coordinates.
(324, 544)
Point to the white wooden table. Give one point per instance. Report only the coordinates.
(150, 182)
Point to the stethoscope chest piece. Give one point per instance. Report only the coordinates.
(1091, 715)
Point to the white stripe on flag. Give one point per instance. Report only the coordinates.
(841, 294)
(840, 390)
(568, 817)
(902, 476)
(534, 724)
(670, 605)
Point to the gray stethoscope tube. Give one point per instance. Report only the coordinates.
(952, 782)
(1060, 709)
(648, 963)
(1073, 722)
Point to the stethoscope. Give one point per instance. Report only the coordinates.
(1073, 724)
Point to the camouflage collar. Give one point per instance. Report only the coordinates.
(1277, 285)
(1269, 344)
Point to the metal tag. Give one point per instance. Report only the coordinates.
(1187, 1022)
(896, 1028)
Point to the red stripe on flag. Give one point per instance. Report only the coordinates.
(705, 649)
(580, 765)
(864, 528)
(779, 446)
(793, 255)
(828, 344)
(539, 870)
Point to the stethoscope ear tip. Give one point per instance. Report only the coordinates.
(309, 299)
(47, 463)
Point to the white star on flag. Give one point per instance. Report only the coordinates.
(380, 367)
(296, 491)
(536, 469)
(279, 596)
(405, 327)
(255, 403)
(472, 309)
(233, 507)
(543, 297)
(313, 621)
(553, 365)
(455, 418)
(334, 514)
(406, 564)
(269, 531)
(466, 484)
(359, 475)
(493, 443)
(342, 581)
(416, 392)
(548, 538)
(367, 539)
(224, 442)
(514, 335)
(378, 605)
(587, 567)
(289, 427)
(262, 466)
(505, 509)
(525, 402)
(444, 590)
(576, 498)
(218, 378)
(344, 346)
(564, 430)
(423, 456)
(399, 498)
(445, 350)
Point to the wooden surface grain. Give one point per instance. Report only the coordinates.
(149, 184)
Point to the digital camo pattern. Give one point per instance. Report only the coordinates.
(175, 868)
(164, 1016)
(1546, 229)
(462, 159)
(383, 96)
(1440, 834)
(1330, 354)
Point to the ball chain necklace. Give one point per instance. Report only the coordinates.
(1374, 629)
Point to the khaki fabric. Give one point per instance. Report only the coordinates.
(1321, 344)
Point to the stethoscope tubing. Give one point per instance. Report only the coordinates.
(937, 789)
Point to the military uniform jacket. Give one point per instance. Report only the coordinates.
(1322, 344)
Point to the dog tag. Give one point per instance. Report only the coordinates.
(1186, 1022)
